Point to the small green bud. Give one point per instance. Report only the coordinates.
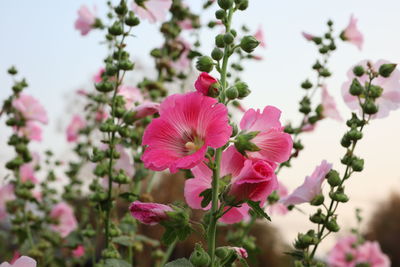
(369, 107)
(199, 257)
(375, 91)
(225, 4)
(243, 89)
(228, 38)
(324, 49)
(131, 20)
(104, 86)
(346, 141)
(232, 93)
(121, 9)
(318, 217)
(217, 54)
(111, 69)
(358, 71)
(242, 4)
(222, 252)
(317, 40)
(354, 134)
(332, 226)
(317, 65)
(156, 52)
(243, 143)
(325, 73)
(333, 178)
(249, 43)
(125, 64)
(220, 14)
(356, 88)
(317, 200)
(12, 70)
(306, 84)
(386, 69)
(116, 29)
(219, 41)
(339, 196)
(357, 164)
(205, 63)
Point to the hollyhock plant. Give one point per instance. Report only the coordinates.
(344, 253)
(279, 208)
(188, 124)
(307, 36)
(274, 144)
(329, 105)
(30, 108)
(65, 221)
(74, 127)
(390, 98)
(6, 194)
(149, 213)
(85, 21)
(23, 261)
(310, 188)
(352, 33)
(204, 83)
(371, 253)
(259, 35)
(152, 10)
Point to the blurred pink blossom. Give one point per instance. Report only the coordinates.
(6, 194)
(78, 252)
(352, 34)
(152, 10)
(30, 108)
(23, 261)
(85, 20)
(65, 219)
(259, 35)
(307, 36)
(329, 105)
(74, 127)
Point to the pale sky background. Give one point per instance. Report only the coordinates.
(39, 38)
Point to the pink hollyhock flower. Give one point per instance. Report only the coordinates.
(344, 253)
(259, 35)
(81, 92)
(125, 162)
(371, 253)
(146, 109)
(74, 127)
(235, 215)
(186, 24)
(390, 98)
(30, 108)
(204, 83)
(85, 20)
(279, 208)
(78, 252)
(149, 213)
(256, 181)
(23, 261)
(6, 194)
(188, 124)
(275, 145)
(15, 257)
(131, 95)
(27, 173)
(98, 77)
(309, 127)
(311, 186)
(152, 10)
(307, 36)
(101, 115)
(329, 105)
(182, 64)
(241, 252)
(352, 34)
(31, 130)
(65, 219)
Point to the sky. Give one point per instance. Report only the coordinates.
(39, 38)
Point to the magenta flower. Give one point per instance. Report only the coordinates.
(279, 208)
(149, 213)
(275, 145)
(344, 253)
(85, 21)
(259, 35)
(131, 95)
(371, 253)
(23, 261)
(204, 83)
(65, 219)
(30, 108)
(352, 34)
(311, 186)
(78, 252)
(188, 124)
(241, 252)
(307, 36)
(329, 105)
(390, 98)
(152, 10)
(6, 194)
(74, 127)
(31, 130)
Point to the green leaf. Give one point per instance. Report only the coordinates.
(169, 236)
(147, 240)
(207, 196)
(116, 263)
(123, 240)
(255, 206)
(182, 262)
(128, 196)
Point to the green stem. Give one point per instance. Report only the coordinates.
(168, 253)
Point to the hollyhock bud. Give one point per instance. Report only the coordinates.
(369, 107)
(116, 29)
(317, 200)
(249, 43)
(332, 226)
(219, 41)
(104, 86)
(23, 261)
(217, 54)
(225, 4)
(152, 10)
(199, 257)
(386, 69)
(205, 64)
(318, 217)
(358, 71)
(149, 213)
(228, 38)
(357, 164)
(232, 93)
(333, 178)
(131, 20)
(243, 89)
(242, 4)
(306, 84)
(206, 83)
(356, 88)
(352, 34)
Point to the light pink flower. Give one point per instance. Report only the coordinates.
(152, 10)
(98, 77)
(370, 252)
(307, 36)
(131, 95)
(23, 261)
(241, 252)
(146, 109)
(309, 127)
(78, 252)
(329, 105)
(204, 83)
(279, 208)
(275, 145)
(85, 20)
(352, 34)
(256, 181)
(390, 98)
(259, 35)
(66, 221)
(81, 92)
(344, 253)
(6, 194)
(101, 115)
(311, 186)
(27, 173)
(257, 57)
(74, 127)
(149, 213)
(30, 108)
(186, 24)
(182, 64)
(31, 130)
(125, 161)
(188, 124)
